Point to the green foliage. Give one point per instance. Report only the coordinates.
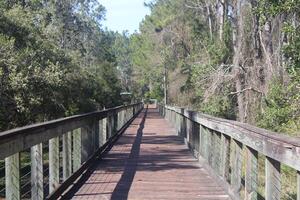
(281, 113)
(55, 61)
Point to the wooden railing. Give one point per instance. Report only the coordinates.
(233, 152)
(65, 146)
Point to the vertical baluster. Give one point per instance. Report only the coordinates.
(217, 152)
(86, 138)
(273, 179)
(236, 166)
(195, 137)
(53, 164)
(116, 122)
(76, 149)
(110, 126)
(201, 140)
(205, 143)
(67, 155)
(96, 134)
(12, 177)
(225, 160)
(104, 130)
(251, 177)
(298, 185)
(209, 147)
(119, 120)
(101, 141)
(122, 119)
(37, 188)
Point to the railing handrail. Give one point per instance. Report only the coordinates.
(283, 148)
(281, 137)
(41, 128)
(233, 152)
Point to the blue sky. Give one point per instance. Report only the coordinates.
(124, 14)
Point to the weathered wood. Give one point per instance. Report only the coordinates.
(87, 164)
(206, 143)
(104, 131)
(196, 139)
(236, 172)
(225, 160)
(87, 146)
(298, 185)
(277, 146)
(67, 155)
(12, 177)
(273, 179)
(201, 140)
(37, 188)
(53, 164)
(20, 139)
(109, 126)
(216, 151)
(76, 149)
(251, 177)
(115, 124)
(96, 135)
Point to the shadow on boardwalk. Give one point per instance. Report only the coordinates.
(123, 186)
(148, 162)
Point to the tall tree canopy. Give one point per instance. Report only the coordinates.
(55, 60)
(237, 59)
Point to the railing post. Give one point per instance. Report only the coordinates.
(236, 166)
(298, 185)
(216, 151)
(225, 160)
(205, 143)
(273, 179)
(110, 126)
(96, 134)
(53, 164)
(12, 177)
(76, 149)
(86, 141)
(37, 188)
(115, 124)
(67, 155)
(103, 131)
(183, 124)
(251, 177)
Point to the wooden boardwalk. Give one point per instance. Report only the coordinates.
(149, 162)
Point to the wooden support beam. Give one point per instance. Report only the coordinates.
(76, 149)
(67, 155)
(298, 185)
(87, 147)
(236, 172)
(103, 129)
(37, 177)
(12, 177)
(96, 134)
(216, 141)
(251, 177)
(109, 126)
(273, 179)
(225, 160)
(53, 164)
(209, 147)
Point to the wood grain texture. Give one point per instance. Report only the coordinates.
(149, 162)
(280, 147)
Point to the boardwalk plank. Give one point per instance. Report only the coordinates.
(149, 162)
